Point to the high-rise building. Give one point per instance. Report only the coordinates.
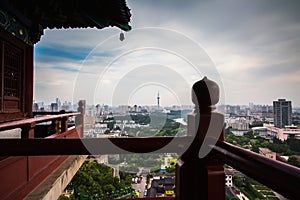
(58, 103)
(282, 113)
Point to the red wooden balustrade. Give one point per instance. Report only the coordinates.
(196, 177)
(269, 172)
(27, 125)
(21, 174)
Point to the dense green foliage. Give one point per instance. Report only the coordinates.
(141, 119)
(145, 160)
(132, 169)
(294, 144)
(167, 128)
(293, 161)
(95, 180)
(135, 161)
(158, 120)
(110, 123)
(289, 147)
(171, 128)
(148, 177)
(251, 188)
(171, 168)
(140, 132)
(160, 125)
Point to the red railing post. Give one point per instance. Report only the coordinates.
(198, 175)
(80, 118)
(64, 124)
(28, 131)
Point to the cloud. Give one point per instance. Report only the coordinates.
(255, 46)
(62, 52)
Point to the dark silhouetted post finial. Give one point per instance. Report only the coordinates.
(205, 94)
(80, 118)
(198, 175)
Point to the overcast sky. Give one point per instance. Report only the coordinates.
(250, 48)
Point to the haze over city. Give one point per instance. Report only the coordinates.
(250, 48)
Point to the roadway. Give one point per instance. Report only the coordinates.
(140, 186)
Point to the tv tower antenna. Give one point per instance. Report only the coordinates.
(158, 100)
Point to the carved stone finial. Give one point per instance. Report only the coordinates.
(205, 93)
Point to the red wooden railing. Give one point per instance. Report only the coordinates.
(28, 125)
(277, 175)
(21, 174)
(196, 178)
(269, 172)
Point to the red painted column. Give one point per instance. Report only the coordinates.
(28, 82)
(80, 118)
(198, 174)
(64, 124)
(28, 131)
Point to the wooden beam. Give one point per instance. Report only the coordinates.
(279, 176)
(92, 146)
(25, 122)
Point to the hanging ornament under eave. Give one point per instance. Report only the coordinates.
(122, 37)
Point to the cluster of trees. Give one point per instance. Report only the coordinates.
(160, 125)
(253, 189)
(293, 161)
(242, 141)
(288, 147)
(145, 160)
(249, 186)
(171, 128)
(135, 161)
(131, 169)
(171, 166)
(110, 123)
(140, 132)
(293, 143)
(97, 181)
(141, 119)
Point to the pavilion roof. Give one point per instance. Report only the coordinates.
(38, 15)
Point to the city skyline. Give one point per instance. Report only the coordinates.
(252, 49)
(154, 105)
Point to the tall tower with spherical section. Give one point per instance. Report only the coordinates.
(158, 100)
